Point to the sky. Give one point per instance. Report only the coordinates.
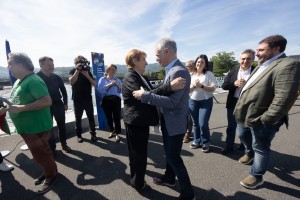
(63, 29)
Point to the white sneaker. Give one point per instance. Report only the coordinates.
(6, 167)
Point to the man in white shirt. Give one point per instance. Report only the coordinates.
(233, 82)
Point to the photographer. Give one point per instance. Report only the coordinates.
(81, 80)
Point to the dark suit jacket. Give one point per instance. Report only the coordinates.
(135, 112)
(269, 98)
(229, 85)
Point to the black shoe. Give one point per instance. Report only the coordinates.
(144, 188)
(79, 140)
(161, 181)
(226, 150)
(112, 134)
(192, 198)
(66, 148)
(117, 138)
(47, 185)
(195, 146)
(241, 147)
(39, 180)
(93, 138)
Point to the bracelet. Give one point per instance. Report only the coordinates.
(202, 86)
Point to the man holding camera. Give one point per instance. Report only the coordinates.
(81, 80)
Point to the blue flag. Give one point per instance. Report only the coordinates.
(11, 78)
(98, 71)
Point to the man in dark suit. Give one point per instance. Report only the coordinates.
(265, 100)
(233, 82)
(57, 91)
(174, 109)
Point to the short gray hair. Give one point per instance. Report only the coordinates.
(22, 58)
(189, 62)
(167, 43)
(249, 51)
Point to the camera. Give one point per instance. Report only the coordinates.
(84, 64)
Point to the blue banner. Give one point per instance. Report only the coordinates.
(98, 71)
(11, 78)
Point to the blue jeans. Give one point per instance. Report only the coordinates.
(200, 111)
(231, 128)
(262, 137)
(245, 135)
(174, 163)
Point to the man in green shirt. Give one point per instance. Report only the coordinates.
(30, 113)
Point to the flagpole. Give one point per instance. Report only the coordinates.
(11, 78)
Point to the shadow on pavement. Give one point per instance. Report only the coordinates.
(12, 189)
(282, 166)
(94, 170)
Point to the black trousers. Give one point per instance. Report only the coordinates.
(1, 158)
(86, 106)
(112, 109)
(174, 163)
(58, 112)
(137, 143)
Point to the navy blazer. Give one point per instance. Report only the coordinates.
(175, 107)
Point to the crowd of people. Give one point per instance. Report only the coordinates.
(257, 105)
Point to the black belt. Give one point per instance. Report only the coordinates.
(111, 97)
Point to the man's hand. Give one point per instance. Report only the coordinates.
(66, 108)
(16, 108)
(178, 83)
(138, 93)
(85, 73)
(3, 110)
(78, 66)
(239, 83)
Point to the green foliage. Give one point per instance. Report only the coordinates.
(161, 74)
(223, 62)
(255, 64)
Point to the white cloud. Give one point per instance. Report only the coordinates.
(65, 29)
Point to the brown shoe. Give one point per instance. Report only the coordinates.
(47, 185)
(245, 159)
(251, 182)
(186, 138)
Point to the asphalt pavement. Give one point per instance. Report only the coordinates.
(100, 170)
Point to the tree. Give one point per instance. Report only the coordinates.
(223, 62)
(161, 74)
(255, 64)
